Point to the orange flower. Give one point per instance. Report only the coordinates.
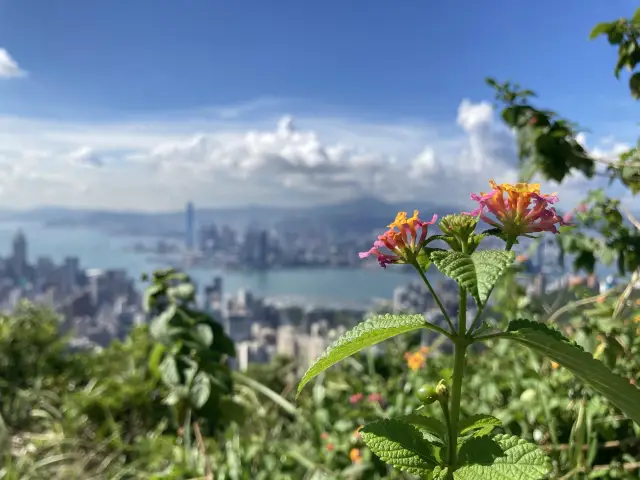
(601, 299)
(555, 365)
(636, 318)
(355, 455)
(415, 361)
(330, 447)
(424, 350)
(324, 435)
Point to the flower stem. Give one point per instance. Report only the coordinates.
(461, 342)
(447, 418)
(435, 296)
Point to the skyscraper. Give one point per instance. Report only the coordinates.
(190, 227)
(19, 257)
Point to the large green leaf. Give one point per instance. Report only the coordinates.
(550, 342)
(501, 457)
(477, 273)
(401, 445)
(372, 331)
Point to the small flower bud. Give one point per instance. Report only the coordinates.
(442, 391)
(459, 224)
(427, 394)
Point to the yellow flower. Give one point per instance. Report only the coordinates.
(415, 361)
(636, 318)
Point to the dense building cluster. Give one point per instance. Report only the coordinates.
(96, 305)
(264, 328)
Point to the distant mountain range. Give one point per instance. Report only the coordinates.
(358, 215)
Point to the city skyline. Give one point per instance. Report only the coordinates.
(393, 116)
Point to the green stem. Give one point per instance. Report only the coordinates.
(435, 296)
(447, 419)
(460, 346)
(462, 312)
(456, 397)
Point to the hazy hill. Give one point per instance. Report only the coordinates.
(359, 215)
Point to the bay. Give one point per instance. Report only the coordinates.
(98, 250)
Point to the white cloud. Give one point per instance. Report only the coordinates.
(160, 165)
(87, 157)
(8, 66)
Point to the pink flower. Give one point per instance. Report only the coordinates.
(403, 244)
(524, 210)
(355, 398)
(375, 397)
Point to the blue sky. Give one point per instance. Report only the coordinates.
(391, 59)
(407, 63)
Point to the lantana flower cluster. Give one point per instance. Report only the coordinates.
(518, 209)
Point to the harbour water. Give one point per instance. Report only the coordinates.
(98, 250)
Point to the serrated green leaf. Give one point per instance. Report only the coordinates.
(484, 424)
(477, 273)
(499, 458)
(184, 291)
(615, 388)
(200, 390)
(634, 85)
(433, 430)
(399, 444)
(490, 265)
(160, 324)
(149, 293)
(368, 333)
(169, 370)
(479, 451)
(523, 323)
(203, 333)
(439, 473)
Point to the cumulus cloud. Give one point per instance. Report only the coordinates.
(160, 166)
(86, 156)
(8, 66)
